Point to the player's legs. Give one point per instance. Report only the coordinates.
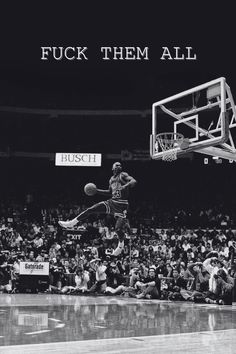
(121, 226)
(115, 291)
(98, 208)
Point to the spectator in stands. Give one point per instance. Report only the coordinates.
(100, 276)
(38, 241)
(15, 272)
(186, 245)
(31, 256)
(199, 286)
(222, 292)
(53, 250)
(161, 267)
(5, 273)
(150, 286)
(169, 270)
(224, 250)
(114, 276)
(175, 285)
(56, 273)
(163, 235)
(81, 282)
(201, 248)
(183, 271)
(41, 256)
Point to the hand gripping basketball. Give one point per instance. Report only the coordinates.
(90, 189)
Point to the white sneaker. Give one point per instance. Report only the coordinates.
(68, 224)
(118, 249)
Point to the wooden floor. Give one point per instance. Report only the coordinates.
(76, 324)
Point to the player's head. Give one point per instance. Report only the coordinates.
(116, 167)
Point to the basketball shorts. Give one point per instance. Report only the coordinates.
(116, 207)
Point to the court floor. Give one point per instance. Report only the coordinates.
(83, 324)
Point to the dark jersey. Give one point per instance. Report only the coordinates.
(115, 183)
(155, 279)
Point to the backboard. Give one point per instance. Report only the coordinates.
(205, 115)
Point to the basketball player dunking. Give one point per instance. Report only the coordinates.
(117, 206)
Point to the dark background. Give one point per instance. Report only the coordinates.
(26, 81)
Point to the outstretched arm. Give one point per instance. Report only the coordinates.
(106, 192)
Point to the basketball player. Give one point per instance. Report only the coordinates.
(117, 205)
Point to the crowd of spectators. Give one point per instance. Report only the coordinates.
(174, 263)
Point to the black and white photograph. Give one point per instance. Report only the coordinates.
(117, 178)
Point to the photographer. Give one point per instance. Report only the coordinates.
(100, 274)
(200, 284)
(115, 281)
(222, 293)
(114, 276)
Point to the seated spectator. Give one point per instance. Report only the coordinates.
(222, 293)
(163, 235)
(30, 257)
(94, 250)
(100, 274)
(150, 286)
(189, 255)
(197, 289)
(169, 272)
(144, 269)
(201, 248)
(117, 282)
(208, 249)
(126, 251)
(53, 250)
(161, 267)
(16, 272)
(212, 263)
(113, 275)
(174, 287)
(56, 273)
(224, 250)
(73, 265)
(135, 275)
(81, 282)
(5, 273)
(41, 256)
(186, 245)
(38, 241)
(134, 252)
(183, 271)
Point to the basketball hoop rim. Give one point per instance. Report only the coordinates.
(179, 136)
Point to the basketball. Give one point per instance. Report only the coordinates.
(90, 189)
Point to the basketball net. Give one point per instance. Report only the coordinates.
(169, 143)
